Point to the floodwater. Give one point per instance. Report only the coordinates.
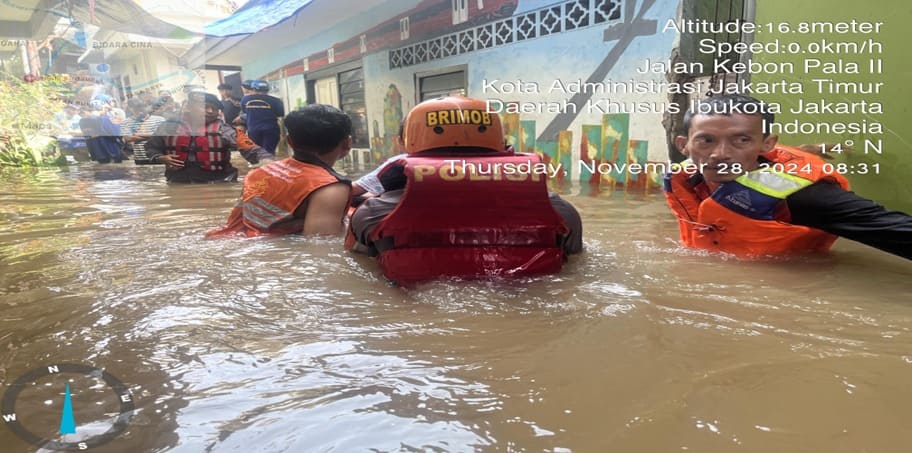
(293, 344)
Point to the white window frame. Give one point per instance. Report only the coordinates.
(404, 28)
(460, 11)
(420, 76)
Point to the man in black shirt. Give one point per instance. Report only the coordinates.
(263, 112)
(231, 107)
(830, 208)
(741, 192)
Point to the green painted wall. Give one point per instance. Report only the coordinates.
(891, 187)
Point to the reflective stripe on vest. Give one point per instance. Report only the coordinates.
(264, 214)
(757, 194)
(773, 183)
(271, 196)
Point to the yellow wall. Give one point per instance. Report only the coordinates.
(890, 186)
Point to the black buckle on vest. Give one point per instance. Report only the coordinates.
(383, 244)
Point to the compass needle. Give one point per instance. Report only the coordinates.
(67, 421)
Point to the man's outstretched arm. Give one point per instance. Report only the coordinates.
(828, 207)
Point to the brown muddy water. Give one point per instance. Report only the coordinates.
(293, 344)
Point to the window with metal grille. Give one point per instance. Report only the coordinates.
(351, 98)
(445, 84)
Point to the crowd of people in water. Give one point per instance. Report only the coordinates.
(747, 194)
(104, 132)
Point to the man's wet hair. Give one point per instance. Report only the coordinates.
(225, 86)
(317, 128)
(728, 104)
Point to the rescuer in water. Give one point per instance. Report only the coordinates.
(302, 193)
(743, 193)
(197, 149)
(461, 205)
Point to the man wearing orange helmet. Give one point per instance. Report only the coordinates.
(438, 216)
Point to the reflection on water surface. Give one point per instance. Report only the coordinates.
(293, 344)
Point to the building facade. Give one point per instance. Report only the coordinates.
(564, 76)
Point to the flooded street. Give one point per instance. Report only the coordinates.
(293, 344)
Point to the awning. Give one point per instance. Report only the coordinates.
(117, 15)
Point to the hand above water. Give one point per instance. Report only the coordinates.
(171, 161)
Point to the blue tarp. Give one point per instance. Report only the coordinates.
(256, 15)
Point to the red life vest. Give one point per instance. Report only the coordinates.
(748, 216)
(205, 145)
(489, 217)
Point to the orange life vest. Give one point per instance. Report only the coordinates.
(271, 195)
(748, 216)
(482, 220)
(205, 145)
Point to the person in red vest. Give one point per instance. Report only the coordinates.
(461, 205)
(743, 193)
(302, 193)
(197, 149)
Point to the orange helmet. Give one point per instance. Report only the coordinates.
(453, 121)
